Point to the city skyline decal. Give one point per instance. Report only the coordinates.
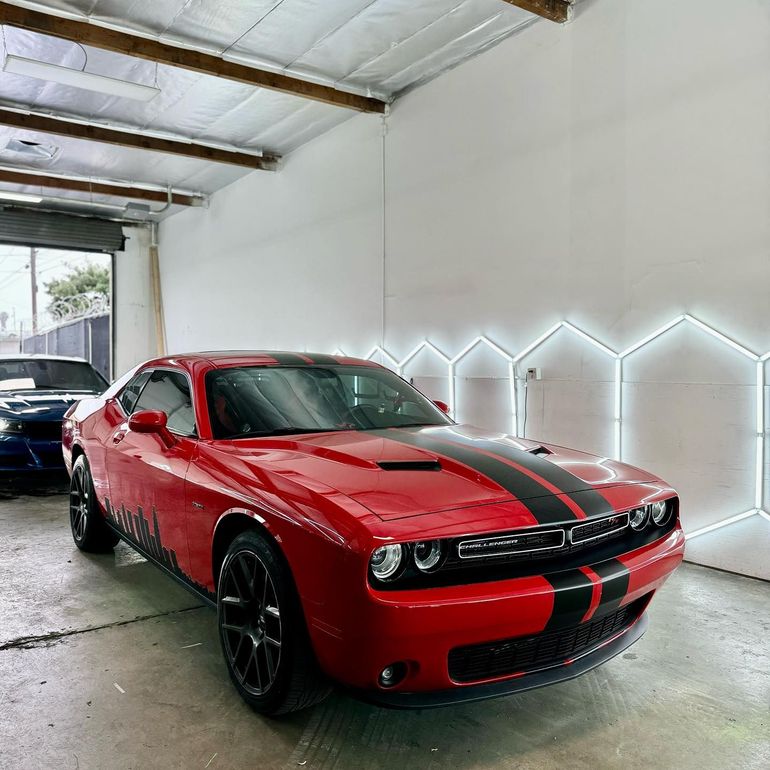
(135, 528)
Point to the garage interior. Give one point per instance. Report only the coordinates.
(553, 216)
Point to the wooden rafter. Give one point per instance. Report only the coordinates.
(553, 10)
(89, 34)
(96, 188)
(59, 127)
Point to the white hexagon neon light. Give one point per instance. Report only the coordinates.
(618, 357)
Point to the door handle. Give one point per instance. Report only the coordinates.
(118, 437)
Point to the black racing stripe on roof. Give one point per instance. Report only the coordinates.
(288, 358)
(546, 507)
(590, 501)
(322, 358)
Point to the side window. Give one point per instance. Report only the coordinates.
(131, 391)
(169, 392)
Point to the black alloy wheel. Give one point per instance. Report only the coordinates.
(262, 629)
(89, 529)
(251, 622)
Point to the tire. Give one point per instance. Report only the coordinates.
(262, 630)
(89, 530)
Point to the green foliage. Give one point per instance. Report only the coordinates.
(91, 280)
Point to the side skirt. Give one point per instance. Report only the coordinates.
(182, 582)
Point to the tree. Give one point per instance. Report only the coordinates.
(78, 288)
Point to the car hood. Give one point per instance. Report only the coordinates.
(400, 472)
(39, 404)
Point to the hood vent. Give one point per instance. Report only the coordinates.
(540, 450)
(411, 465)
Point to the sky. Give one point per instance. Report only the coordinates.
(15, 283)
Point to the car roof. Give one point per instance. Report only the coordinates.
(228, 358)
(39, 357)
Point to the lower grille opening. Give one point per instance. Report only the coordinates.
(43, 430)
(530, 653)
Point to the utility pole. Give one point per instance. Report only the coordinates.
(33, 276)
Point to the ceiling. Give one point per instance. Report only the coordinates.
(378, 48)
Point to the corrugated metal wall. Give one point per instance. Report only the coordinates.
(87, 338)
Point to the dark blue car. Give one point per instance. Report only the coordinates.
(35, 392)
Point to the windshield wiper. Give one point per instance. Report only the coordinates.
(281, 432)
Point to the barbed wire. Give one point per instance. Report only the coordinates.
(63, 311)
(79, 306)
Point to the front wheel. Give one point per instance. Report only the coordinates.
(89, 530)
(262, 630)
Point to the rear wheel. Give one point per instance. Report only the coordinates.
(89, 530)
(262, 630)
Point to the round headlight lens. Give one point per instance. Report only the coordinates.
(385, 561)
(659, 513)
(638, 518)
(427, 554)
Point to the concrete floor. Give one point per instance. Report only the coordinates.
(107, 663)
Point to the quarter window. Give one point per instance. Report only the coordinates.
(169, 392)
(132, 390)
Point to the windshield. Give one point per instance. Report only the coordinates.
(46, 374)
(264, 401)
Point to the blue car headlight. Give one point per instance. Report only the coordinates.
(11, 426)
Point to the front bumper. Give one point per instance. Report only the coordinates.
(421, 627)
(509, 686)
(22, 455)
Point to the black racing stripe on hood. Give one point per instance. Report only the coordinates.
(615, 576)
(546, 507)
(572, 594)
(589, 500)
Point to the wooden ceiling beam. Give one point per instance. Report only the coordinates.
(553, 10)
(86, 33)
(90, 133)
(96, 188)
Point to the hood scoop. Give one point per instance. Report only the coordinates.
(410, 465)
(541, 451)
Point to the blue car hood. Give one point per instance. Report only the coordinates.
(39, 404)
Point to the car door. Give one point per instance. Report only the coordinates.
(147, 475)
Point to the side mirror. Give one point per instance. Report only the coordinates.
(151, 421)
(443, 406)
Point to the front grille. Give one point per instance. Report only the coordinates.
(529, 653)
(595, 530)
(508, 545)
(43, 430)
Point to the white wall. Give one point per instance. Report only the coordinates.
(133, 315)
(612, 172)
(297, 254)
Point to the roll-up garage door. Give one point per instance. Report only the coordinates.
(39, 228)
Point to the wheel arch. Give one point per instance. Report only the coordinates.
(231, 524)
(76, 451)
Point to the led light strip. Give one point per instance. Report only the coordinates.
(513, 359)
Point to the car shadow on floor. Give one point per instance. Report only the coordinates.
(44, 484)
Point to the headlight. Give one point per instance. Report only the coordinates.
(659, 513)
(386, 560)
(11, 426)
(638, 518)
(427, 555)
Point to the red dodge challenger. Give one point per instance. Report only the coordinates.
(347, 530)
